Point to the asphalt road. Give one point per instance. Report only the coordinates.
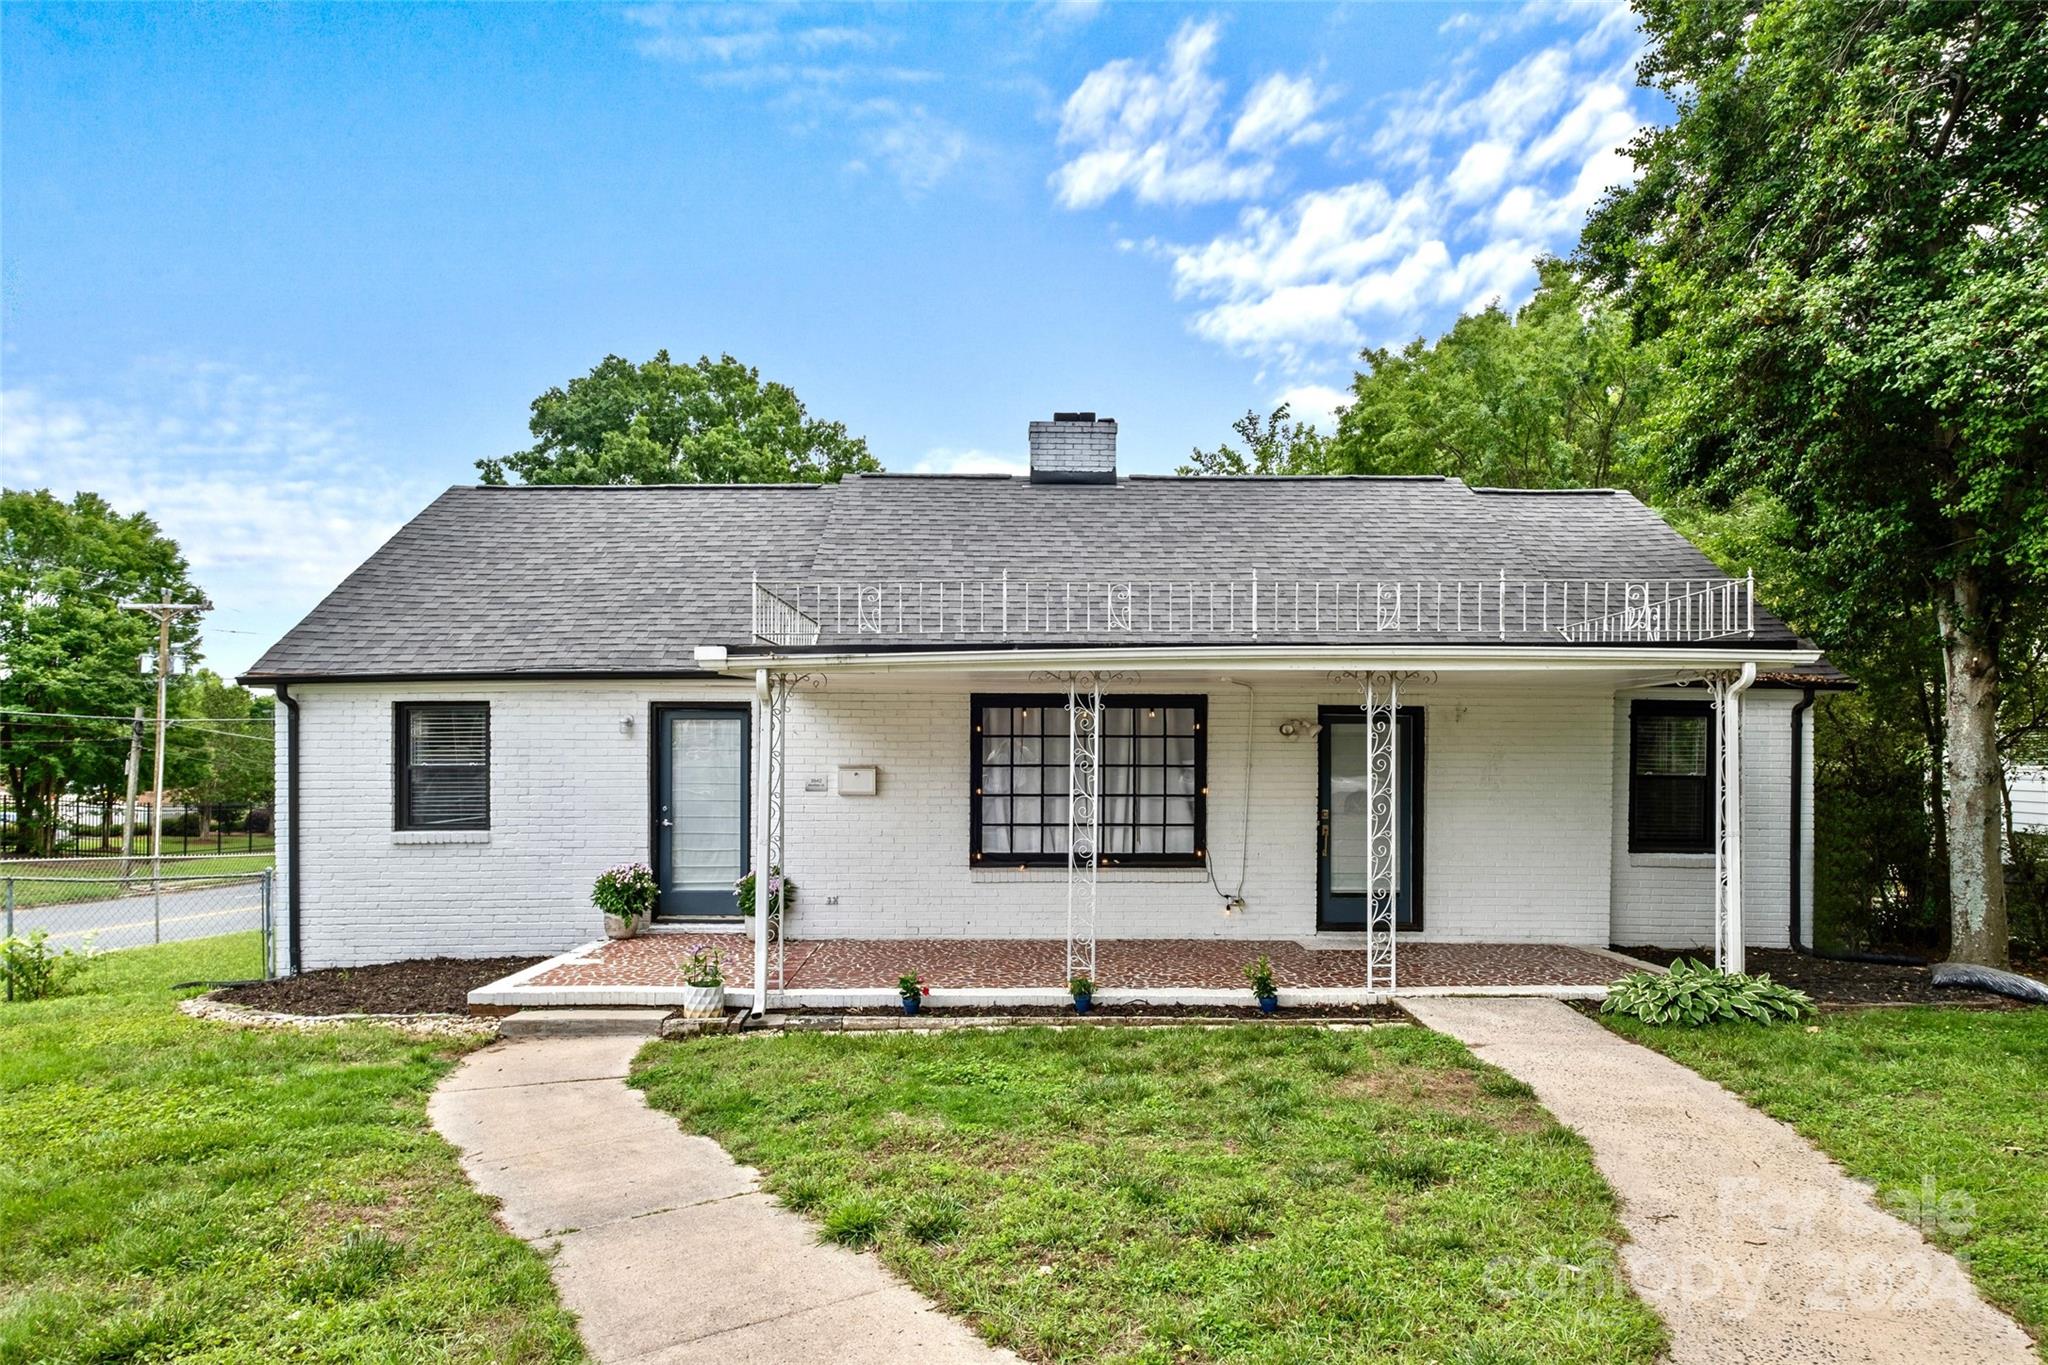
(139, 920)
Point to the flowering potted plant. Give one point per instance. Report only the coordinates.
(781, 893)
(912, 991)
(703, 986)
(1083, 991)
(627, 895)
(1260, 974)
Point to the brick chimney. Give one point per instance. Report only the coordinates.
(1073, 448)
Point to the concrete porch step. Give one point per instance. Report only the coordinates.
(584, 1022)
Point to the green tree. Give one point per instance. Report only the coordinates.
(1839, 247)
(69, 648)
(1552, 396)
(660, 422)
(1275, 444)
(219, 751)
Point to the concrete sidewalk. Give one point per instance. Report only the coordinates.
(664, 1247)
(1751, 1244)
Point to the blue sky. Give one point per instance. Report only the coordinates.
(278, 275)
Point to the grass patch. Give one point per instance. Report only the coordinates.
(1919, 1102)
(1245, 1193)
(67, 881)
(171, 1189)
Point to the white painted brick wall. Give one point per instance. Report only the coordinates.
(1666, 899)
(1521, 820)
(1074, 447)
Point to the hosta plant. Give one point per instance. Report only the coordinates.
(1692, 994)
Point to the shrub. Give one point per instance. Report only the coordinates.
(1692, 994)
(1079, 986)
(628, 891)
(1260, 973)
(31, 971)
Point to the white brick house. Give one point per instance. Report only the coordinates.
(529, 685)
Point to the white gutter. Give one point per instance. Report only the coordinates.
(1204, 659)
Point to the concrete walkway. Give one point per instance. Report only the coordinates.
(1750, 1244)
(664, 1247)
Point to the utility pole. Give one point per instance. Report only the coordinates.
(165, 612)
(134, 774)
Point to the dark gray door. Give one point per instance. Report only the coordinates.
(700, 808)
(1343, 901)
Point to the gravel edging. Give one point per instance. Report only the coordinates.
(217, 1011)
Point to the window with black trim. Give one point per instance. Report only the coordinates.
(1154, 766)
(1670, 777)
(443, 765)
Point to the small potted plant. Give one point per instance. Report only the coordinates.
(912, 991)
(781, 893)
(1083, 990)
(703, 986)
(627, 895)
(1260, 974)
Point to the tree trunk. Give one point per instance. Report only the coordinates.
(1976, 877)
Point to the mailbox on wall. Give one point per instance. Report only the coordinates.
(857, 779)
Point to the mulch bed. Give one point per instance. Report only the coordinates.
(1132, 1011)
(1836, 985)
(433, 985)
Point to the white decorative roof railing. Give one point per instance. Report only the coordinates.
(1012, 609)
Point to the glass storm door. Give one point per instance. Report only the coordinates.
(700, 809)
(1343, 899)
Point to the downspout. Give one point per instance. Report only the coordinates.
(1798, 806)
(291, 817)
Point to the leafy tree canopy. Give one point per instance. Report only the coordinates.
(1838, 249)
(661, 422)
(1275, 444)
(67, 644)
(1552, 396)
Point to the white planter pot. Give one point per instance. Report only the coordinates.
(703, 1002)
(616, 926)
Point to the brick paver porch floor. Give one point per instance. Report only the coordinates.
(1121, 964)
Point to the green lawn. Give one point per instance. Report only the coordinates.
(1903, 1097)
(60, 881)
(1244, 1193)
(178, 1190)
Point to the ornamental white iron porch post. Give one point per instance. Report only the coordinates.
(1084, 819)
(1382, 825)
(771, 698)
(1727, 689)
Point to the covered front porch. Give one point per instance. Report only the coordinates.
(856, 972)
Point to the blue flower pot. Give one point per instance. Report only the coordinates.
(1083, 1003)
(1268, 1003)
(911, 1002)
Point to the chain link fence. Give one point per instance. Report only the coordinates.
(99, 905)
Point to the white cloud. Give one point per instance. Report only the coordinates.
(823, 76)
(260, 480)
(910, 142)
(1315, 404)
(1279, 111)
(1157, 131)
(946, 460)
(1474, 175)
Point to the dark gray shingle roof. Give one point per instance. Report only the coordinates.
(630, 580)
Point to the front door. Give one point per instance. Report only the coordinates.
(700, 808)
(1343, 894)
